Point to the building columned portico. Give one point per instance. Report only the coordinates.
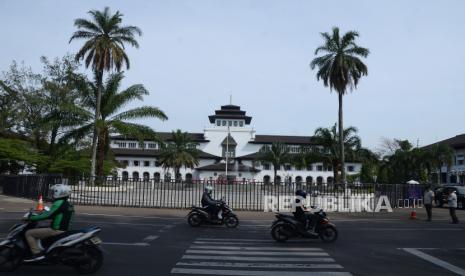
(230, 144)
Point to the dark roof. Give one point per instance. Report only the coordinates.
(457, 142)
(231, 168)
(229, 140)
(153, 153)
(294, 140)
(230, 112)
(165, 136)
(251, 156)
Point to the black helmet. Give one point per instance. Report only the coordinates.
(301, 193)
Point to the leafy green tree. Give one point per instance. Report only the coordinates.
(179, 151)
(16, 154)
(328, 138)
(436, 156)
(103, 50)
(277, 154)
(340, 68)
(112, 122)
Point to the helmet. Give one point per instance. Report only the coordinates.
(208, 189)
(301, 193)
(60, 191)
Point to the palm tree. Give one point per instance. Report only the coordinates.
(340, 68)
(438, 155)
(103, 50)
(329, 139)
(277, 154)
(181, 151)
(111, 121)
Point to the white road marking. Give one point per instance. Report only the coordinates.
(226, 239)
(256, 253)
(150, 238)
(121, 223)
(435, 260)
(261, 265)
(127, 244)
(257, 259)
(408, 229)
(232, 243)
(255, 272)
(257, 248)
(130, 216)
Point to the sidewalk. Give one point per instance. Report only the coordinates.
(20, 205)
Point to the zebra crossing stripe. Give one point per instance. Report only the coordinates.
(261, 265)
(226, 239)
(256, 272)
(255, 253)
(231, 243)
(257, 259)
(264, 248)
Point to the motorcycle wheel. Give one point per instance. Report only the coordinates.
(328, 234)
(93, 260)
(231, 221)
(277, 232)
(10, 259)
(194, 220)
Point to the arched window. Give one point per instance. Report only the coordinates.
(329, 180)
(309, 180)
(125, 175)
(266, 179)
(135, 176)
(188, 177)
(278, 179)
(319, 180)
(146, 176)
(178, 177)
(156, 177)
(298, 179)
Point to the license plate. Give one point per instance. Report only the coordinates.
(96, 240)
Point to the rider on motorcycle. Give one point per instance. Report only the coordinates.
(211, 205)
(301, 213)
(61, 214)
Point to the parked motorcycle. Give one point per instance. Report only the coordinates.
(199, 215)
(287, 226)
(78, 248)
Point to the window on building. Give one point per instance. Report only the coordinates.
(132, 145)
(152, 145)
(287, 167)
(146, 163)
(241, 123)
(319, 168)
(350, 168)
(460, 159)
(266, 166)
(235, 123)
(309, 168)
(121, 144)
(230, 123)
(218, 122)
(125, 162)
(223, 123)
(136, 163)
(330, 168)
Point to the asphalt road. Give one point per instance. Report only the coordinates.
(137, 245)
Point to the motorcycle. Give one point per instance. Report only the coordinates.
(78, 248)
(287, 226)
(199, 215)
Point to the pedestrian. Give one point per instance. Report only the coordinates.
(452, 204)
(428, 202)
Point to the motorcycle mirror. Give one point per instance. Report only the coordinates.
(46, 208)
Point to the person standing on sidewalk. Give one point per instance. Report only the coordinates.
(452, 204)
(428, 202)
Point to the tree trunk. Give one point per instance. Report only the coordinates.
(53, 138)
(93, 161)
(341, 142)
(101, 153)
(275, 173)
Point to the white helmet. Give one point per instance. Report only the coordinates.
(60, 191)
(209, 189)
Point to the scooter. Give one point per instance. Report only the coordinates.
(79, 249)
(287, 226)
(199, 215)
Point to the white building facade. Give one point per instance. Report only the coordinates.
(230, 139)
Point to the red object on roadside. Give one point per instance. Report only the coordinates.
(40, 204)
(413, 214)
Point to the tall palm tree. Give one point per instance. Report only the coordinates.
(329, 138)
(111, 121)
(340, 68)
(277, 154)
(179, 152)
(103, 50)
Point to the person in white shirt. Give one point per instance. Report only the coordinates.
(428, 202)
(452, 204)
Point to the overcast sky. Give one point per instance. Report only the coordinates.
(194, 54)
